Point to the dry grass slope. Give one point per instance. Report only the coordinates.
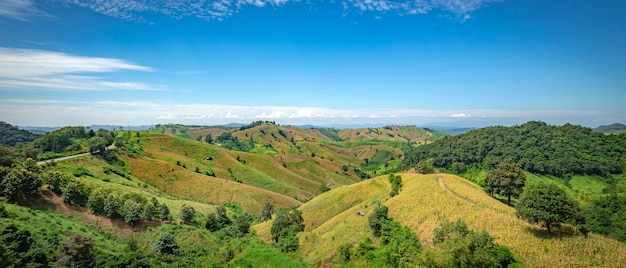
(331, 221)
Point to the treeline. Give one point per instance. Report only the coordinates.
(539, 148)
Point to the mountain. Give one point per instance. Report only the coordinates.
(331, 221)
(616, 128)
(11, 135)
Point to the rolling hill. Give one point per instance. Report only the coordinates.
(331, 220)
(616, 128)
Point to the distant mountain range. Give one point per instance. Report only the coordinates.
(43, 130)
(616, 128)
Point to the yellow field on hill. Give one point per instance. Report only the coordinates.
(100, 179)
(390, 133)
(331, 220)
(183, 183)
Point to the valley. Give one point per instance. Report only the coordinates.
(334, 179)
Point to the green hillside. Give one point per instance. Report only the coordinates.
(538, 147)
(588, 165)
(11, 135)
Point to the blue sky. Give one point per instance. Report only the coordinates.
(460, 62)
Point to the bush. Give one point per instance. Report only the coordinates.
(166, 244)
(187, 214)
(377, 218)
(78, 252)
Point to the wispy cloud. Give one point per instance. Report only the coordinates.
(47, 70)
(62, 112)
(23, 10)
(137, 10)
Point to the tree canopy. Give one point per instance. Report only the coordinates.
(539, 148)
(546, 203)
(506, 179)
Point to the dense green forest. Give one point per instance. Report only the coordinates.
(539, 148)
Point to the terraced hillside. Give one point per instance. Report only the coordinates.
(263, 161)
(331, 220)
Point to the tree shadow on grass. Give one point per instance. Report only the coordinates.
(557, 232)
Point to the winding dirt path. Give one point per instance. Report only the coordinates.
(443, 186)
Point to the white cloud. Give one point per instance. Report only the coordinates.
(22, 10)
(168, 116)
(461, 115)
(221, 9)
(48, 70)
(62, 112)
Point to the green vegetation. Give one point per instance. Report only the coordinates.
(536, 146)
(396, 184)
(616, 128)
(11, 135)
(285, 227)
(467, 248)
(547, 204)
(158, 200)
(506, 179)
(606, 216)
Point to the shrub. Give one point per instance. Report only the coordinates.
(166, 244)
(187, 214)
(377, 218)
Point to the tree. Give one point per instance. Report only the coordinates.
(187, 214)
(285, 227)
(131, 211)
(78, 252)
(76, 192)
(56, 181)
(96, 201)
(112, 205)
(507, 179)
(19, 183)
(468, 248)
(546, 203)
(148, 211)
(396, 184)
(97, 144)
(212, 224)
(242, 223)
(402, 244)
(166, 244)
(164, 212)
(425, 167)
(266, 212)
(377, 218)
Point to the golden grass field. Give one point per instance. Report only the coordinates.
(331, 221)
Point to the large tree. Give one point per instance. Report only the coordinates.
(546, 203)
(506, 179)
